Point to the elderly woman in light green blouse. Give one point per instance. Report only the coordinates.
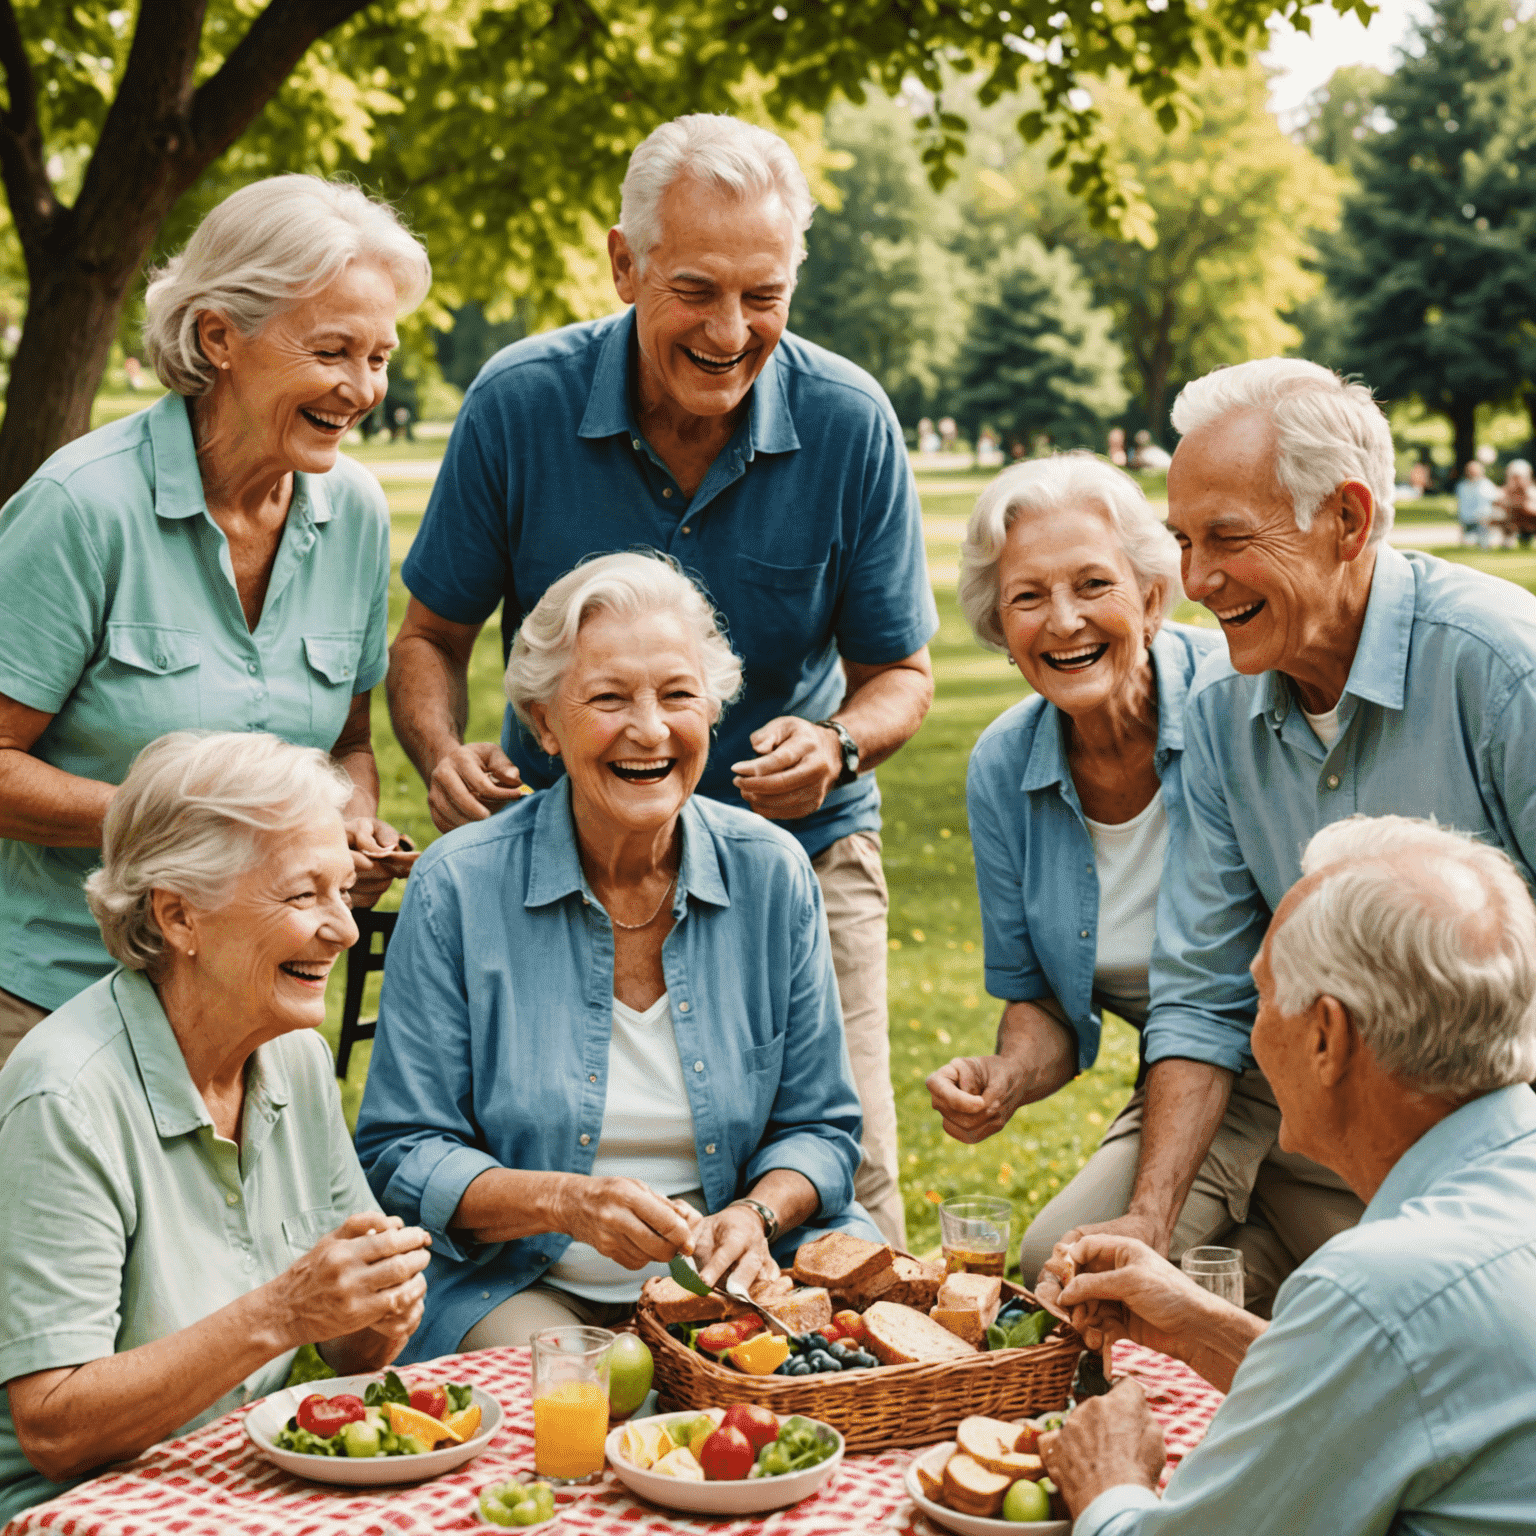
(181, 1207)
(209, 562)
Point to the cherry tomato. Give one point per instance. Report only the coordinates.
(324, 1416)
(850, 1324)
(432, 1401)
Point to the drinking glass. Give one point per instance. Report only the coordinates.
(975, 1231)
(570, 1402)
(1217, 1270)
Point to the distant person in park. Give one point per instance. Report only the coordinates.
(1071, 794)
(1358, 679)
(1147, 454)
(694, 423)
(208, 563)
(1474, 504)
(1117, 454)
(1392, 1391)
(1516, 504)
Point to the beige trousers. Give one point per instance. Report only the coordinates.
(519, 1317)
(1298, 1204)
(17, 1017)
(853, 888)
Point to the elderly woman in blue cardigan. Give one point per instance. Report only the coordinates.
(610, 1029)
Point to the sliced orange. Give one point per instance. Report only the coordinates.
(412, 1421)
(465, 1422)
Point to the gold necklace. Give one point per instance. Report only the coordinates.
(635, 927)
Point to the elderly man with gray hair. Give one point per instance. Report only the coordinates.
(1393, 1390)
(693, 423)
(1358, 679)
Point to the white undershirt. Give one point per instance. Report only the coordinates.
(647, 1135)
(1129, 857)
(1325, 726)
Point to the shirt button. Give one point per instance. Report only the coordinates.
(231, 1199)
(160, 662)
(586, 1141)
(250, 667)
(592, 1077)
(666, 490)
(710, 1149)
(682, 1007)
(1278, 717)
(686, 528)
(485, 1295)
(1333, 781)
(1083, 934)
(698, 1066)
(634, 443)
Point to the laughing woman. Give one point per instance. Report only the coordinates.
(1069, 793)
(209, 562)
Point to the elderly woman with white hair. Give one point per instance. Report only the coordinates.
(207, 563)
(182, 1207)
(609, 1031)
(1070, 793)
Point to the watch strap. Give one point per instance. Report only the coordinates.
(765, 1215)
(850, 750)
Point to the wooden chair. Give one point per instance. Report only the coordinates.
(361, 959)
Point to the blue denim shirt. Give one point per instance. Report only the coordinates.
(1438, 718)
(1035, 869)
(1393, 1392)
(497, 1012)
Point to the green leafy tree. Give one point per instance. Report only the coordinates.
(1342, 115)
(1038, 357)
(1434, 256)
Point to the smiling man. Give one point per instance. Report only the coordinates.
(1358, 679)
(694, 423)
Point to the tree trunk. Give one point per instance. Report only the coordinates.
(1462, 414)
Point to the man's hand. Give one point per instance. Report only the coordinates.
(1134, 1226)
(732, 1240)
(797, 764)
(469, 783)
(976, 1096)
(379, 855)
(1105, 1443)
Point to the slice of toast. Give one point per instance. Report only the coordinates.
(963, 1324)
(899, 1335)
(933, 1487)
(970, 1488)
(913, 1283)
(877, 1288)
(840, 1262)
(807, 1310)
(991, 1443)
(973, 1293)
(672, 1304)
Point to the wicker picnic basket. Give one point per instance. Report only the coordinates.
(886, 1406)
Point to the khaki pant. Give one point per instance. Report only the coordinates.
(519, 1317)
(1298, 1204)
(17, 1017)
(853, 888)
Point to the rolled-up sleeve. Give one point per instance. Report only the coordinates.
(418, 1144)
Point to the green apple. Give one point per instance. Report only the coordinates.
(630, 1369)
(360, 1438)
(1026, 1501)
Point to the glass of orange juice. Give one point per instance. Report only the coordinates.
(570, 1402)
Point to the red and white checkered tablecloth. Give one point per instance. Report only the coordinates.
(215, 1483)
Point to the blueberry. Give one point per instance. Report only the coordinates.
(841, 1350)
(815, 1341)
(802, 1367)
(865, 1361)
(821, 1360)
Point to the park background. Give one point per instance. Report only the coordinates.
(1384, 224)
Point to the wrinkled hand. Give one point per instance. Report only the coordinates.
(471, 782)
(365, 1274)
(797, 764)
(379, 855)
(628, 1222)
(1106, 1442)
(733, 1239)
(1141, 1229)
(976, 1096)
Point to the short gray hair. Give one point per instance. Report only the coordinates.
(720, 151)
(1327, 430)
(1065, 480)
(1517, 467)
(1428, 938)
(191, 817)
(263, 248)
(628, 584)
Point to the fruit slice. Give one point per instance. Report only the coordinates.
(681, 1464)
(466, 1422)
(646, 1443)
(411, 1421)
(760, 1356)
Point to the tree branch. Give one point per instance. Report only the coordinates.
(23, 166)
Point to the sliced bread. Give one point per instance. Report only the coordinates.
(841, 1262)
(672, 1304)
(963, 1324)
(972, 1489)
(913, 1283)
(899, 1335)
(974, 1293)
(933, 1487)
(993, 1444)
(807, 1310)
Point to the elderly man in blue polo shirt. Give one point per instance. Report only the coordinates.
(1393, 1390)
(696, 424)
(1357, 679)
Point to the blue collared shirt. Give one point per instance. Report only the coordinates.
(1394, 1391)
(497, 1012)
(806, 532)
(1035, 869)
(1437, 719)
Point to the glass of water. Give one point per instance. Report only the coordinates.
(1217, 1270)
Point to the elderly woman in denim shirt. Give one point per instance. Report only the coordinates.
(610, 1029)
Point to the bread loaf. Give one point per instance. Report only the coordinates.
(841, 1263)
(913, 1283)
(899, 1335)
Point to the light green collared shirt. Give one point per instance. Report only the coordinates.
(124, 1217)
(119, 616)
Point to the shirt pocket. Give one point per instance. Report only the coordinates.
(154, 677)
(332, 669)
(785, 615)
(302, 1232)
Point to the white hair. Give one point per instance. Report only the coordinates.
(191, 817)
(1065, 480)
(1517, 467)
(264, 247)
(628, 584)
(1428, 938)
(1327, 430)
(720, 151)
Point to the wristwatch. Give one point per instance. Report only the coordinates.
(850, 750)
(765, 1215)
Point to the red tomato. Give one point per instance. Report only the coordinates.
(719, 1337)
(727, 1456)
(432, 1401)
(850, 1324)
(759, 1425)
(324, 1416)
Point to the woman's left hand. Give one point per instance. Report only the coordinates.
(733, 1239)
(379, 855)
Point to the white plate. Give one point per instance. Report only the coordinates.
(932, 1461)
(749, 1496)
(267, 1418)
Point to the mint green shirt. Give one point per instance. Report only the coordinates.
(124, 1217)
(119, 617)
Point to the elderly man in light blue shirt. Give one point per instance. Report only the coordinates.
(1393, 1390)
(1358, 680)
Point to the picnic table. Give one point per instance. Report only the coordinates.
(215, 1483)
